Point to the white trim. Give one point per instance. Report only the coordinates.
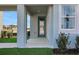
(59, 16)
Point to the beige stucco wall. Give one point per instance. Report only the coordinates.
(1, 19)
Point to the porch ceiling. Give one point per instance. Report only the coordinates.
(37, 9)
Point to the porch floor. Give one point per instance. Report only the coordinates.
(31, 43)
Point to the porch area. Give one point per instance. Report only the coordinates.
(42, 24)
(31, 43)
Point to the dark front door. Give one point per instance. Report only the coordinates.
(41, 26)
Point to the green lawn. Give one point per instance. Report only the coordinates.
(25, 51)
(8, 40)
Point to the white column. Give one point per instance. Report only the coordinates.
(50, 25)
(53, 26)
(21, 25)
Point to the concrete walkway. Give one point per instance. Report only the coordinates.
(31, 43)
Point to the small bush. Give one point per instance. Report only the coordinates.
(77, 42)
(62, 41)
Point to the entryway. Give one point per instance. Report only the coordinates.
(41, 26)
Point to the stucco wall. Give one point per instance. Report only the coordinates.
(73, 32)
(55, 30)
(53, 27)
(1, 19)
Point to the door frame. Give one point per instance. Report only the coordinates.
(44, 26)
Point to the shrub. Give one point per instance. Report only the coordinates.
(77, 42)
(62, 41)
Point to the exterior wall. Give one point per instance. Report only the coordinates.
(1, 24)
(34, 25)
(73, 32)
(53, 26)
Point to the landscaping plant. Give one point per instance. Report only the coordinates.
(62, 41)
(77, 42)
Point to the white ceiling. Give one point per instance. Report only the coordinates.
(37, 9)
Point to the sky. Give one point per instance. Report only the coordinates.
(10, 17)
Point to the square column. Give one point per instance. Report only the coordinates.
(53, 25)
(50, 26)
(21, 26)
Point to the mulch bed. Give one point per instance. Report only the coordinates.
(66, 51)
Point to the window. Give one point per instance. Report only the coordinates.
(68, 16)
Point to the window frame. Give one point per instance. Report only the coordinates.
(62, 16)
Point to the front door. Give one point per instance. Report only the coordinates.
(41, 26)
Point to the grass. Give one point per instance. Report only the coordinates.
(25, 51)
(8, 40)
(22, 51)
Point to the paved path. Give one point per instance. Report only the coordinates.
(31, 43)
